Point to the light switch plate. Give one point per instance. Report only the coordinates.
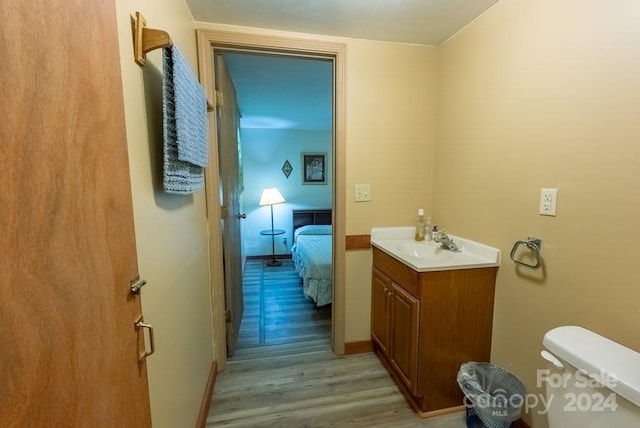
(362, 192)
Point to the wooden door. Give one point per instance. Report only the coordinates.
(403, 351)
(380, 321)
(69, 349)
(227, 124)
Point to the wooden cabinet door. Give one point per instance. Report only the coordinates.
(403, 349)
(69, 348)
(380, 321)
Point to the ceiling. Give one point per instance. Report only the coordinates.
(278, 92)
(425, 22)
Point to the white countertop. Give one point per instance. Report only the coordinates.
(425, 256)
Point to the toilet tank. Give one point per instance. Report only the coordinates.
(591, 381)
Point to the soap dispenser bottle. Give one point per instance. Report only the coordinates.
(434, 233)
(420, 226)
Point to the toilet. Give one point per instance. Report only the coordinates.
(590, 381)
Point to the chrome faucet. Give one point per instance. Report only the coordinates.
(445, 242)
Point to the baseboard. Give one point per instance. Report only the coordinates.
(358, 347)
(208, 394)
(439, 412)
(278, 257)
(520, 424)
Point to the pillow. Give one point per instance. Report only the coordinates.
(324, 229)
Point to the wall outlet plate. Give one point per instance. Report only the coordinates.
(548, 201)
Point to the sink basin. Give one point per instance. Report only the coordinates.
(423, 250)
(427, 256)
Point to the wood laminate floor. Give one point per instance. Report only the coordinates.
(283, 373)
(275, 309)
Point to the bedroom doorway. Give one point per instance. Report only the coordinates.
(212, 40)
(275, 131)
(285, 140)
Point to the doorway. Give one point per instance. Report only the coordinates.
(286, 113)
(208, 41)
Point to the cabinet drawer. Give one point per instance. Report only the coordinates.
(402, 274)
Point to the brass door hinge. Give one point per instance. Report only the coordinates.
(136, 284)
(224, 212)
(227, 316)
(219, 99)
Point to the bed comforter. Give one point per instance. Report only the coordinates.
(312, 257)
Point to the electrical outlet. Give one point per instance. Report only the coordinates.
(362, 192)
(548, 200)
(284, 241)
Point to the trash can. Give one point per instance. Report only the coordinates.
(493, 396)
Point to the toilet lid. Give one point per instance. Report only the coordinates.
(612, 364)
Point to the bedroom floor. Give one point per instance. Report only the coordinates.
(283, 373)
(275, 310)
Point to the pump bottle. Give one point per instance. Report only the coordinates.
(420, 226)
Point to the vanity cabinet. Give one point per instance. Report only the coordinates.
(395, 329)
(424, 325)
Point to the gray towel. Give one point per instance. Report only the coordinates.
(185, 125)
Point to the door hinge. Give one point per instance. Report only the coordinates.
(219, 99)
(136, 284)
(227, 316)
(224, 212)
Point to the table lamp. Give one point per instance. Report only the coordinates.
(271, 196)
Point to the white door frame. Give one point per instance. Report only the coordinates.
(208, 40)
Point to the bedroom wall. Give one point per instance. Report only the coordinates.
(264, 152)
(547, 94)
(171, 230)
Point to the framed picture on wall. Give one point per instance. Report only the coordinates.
(314, 168)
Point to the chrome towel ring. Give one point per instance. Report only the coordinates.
(533, 244)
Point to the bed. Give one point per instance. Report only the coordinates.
(312, 253)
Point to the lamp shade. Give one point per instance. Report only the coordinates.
(271, 196)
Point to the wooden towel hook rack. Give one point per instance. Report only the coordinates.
(147, 39)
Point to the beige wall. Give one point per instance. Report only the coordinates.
(547, 94)
(391, 113)
(171, 230)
